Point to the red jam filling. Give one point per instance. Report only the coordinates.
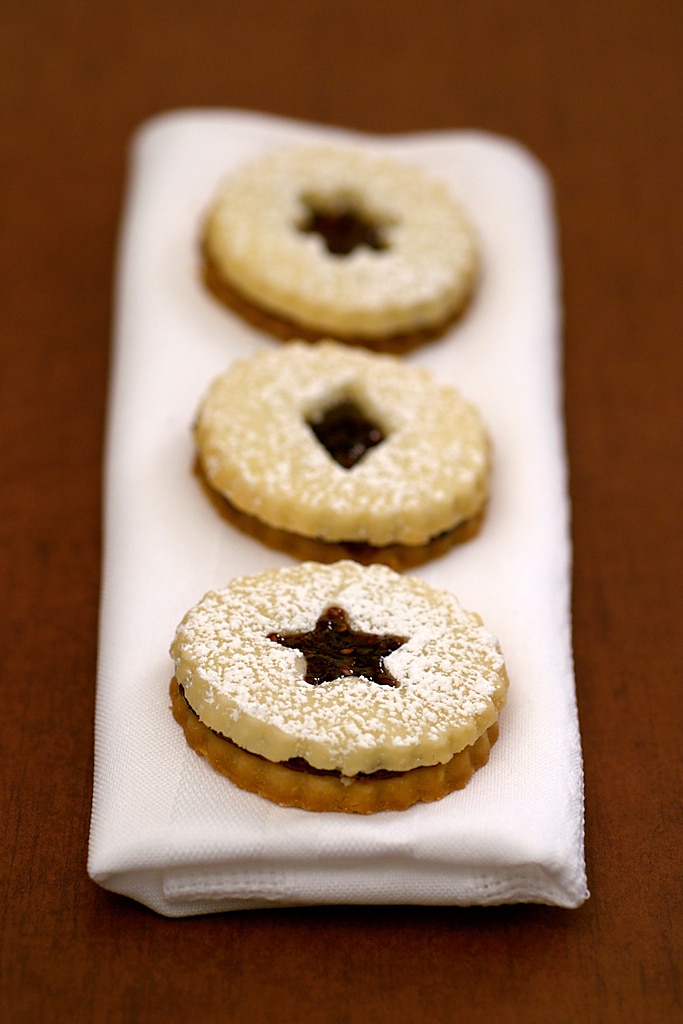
(346, 432)
(342, 231)
(333, 649)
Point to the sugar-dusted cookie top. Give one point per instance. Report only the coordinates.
(343, 242)
(415, 680)
(425, 455)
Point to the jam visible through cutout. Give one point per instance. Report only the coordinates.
(332, 649)
(343, 230)
(346, 432)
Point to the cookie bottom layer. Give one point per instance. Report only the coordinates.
(288, 330)
(397, 556)
(314, 790)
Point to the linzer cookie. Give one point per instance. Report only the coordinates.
(338, 687)
(336, 241)
(330, 452)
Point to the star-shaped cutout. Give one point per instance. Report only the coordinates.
(333, 649)
(343, 230)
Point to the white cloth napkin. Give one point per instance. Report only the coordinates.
(166, 829)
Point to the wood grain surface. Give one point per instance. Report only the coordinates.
(594, 90)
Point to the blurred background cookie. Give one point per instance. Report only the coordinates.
(336, 241)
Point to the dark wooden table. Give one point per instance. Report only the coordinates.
(594, 89)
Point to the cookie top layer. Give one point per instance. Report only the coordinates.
(450, 674)
(407, 261)
(429, 473)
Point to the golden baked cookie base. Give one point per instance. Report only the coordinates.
(287, 330)
(313, 790)
(397, 556)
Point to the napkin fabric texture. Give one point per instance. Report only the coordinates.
(166, 829)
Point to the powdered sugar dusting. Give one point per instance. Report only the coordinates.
(429, 473)
(451, 674)
(423, 276)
